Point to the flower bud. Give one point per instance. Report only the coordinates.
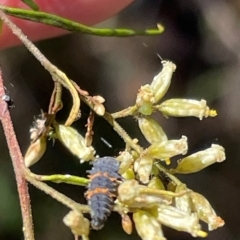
(148, 228)
(129, 174)
(151, 130)
(143, 167)
(205, 212)
(178, 107)
(179, 220)
(79, 225)
(74, 142)
(162, 81)
(183, 202)
(35, 151)
(134, 195)
(200, 160)
(156, 183)
(145, 100)
(126, 160)
(168, 149)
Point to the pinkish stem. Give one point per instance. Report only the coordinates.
(18, 165)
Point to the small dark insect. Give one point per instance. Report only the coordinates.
(8, 100)
(102, 189)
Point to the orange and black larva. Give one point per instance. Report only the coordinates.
(102, 189)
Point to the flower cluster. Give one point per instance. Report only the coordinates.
(148, 189)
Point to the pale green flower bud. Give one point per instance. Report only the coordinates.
(126, 160)
(148, 228)
(174, 218)
(35, 151)
(156, 183)
(74, 142)
(200, 160)
(183, 202)
(178, 107)
(205, 212)
(143, 167)
(129, 174)
(145, 99)
(162, 81)
(151, 130)
(134, 195)
(78, 224)
(168, 149)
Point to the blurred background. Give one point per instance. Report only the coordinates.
(202, 38)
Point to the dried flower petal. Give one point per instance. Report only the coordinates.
(151, 130)
(205, 211)
(200, 160)
(74, 142)
(168, 149)
(126, 224)
(35, 151)
(178, 107)
(148, 228)
(162, 81)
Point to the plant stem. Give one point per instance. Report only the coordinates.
(18, 163)
(64, 23)
(57, 74)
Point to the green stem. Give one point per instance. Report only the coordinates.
(68, 179)
(64, 23)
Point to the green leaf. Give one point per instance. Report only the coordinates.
(31, 4)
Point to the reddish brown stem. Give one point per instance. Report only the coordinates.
(18, 164)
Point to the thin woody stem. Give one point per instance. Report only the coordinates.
(17, 161)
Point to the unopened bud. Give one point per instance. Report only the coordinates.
(74, 142)
(79, 225)
(134, 195)
(205, 212)
(151, 130)
(178, 107)
(162, 81)
(126, 160)
(200, 160)
(129, 174)
(35, 151)
(145, 100)
(148, 228)
(156, 183)
(168, 149)
(183, 202)
(143, 167)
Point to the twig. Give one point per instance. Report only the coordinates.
(17, 161)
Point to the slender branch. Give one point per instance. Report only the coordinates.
(17, 161)
(57, 74)
(64, 23)
(31, 177)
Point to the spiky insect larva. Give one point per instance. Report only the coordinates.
(102, 189)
